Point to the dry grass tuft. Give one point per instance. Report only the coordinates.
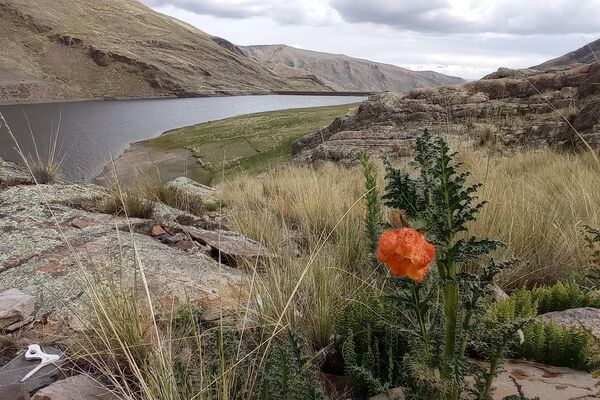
(45, 170)
(311, 216)
(133, 204)
(538, 203)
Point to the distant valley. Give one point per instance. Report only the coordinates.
(345, 73)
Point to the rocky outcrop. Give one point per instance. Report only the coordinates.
(521, 110)
(55, 243)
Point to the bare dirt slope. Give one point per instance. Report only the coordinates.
(345, 73)
(587, 54)
(63, 49)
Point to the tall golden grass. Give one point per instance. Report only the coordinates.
(298, 211)
(538, 203)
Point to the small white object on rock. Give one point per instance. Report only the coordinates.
(15, 306)
(78, 387)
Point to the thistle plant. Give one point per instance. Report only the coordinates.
(438, 204)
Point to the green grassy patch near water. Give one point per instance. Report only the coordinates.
(253, 142)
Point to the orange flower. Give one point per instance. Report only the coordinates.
(406, 253)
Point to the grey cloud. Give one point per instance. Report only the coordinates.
(413, 15)
(520, 17)
(283, 11)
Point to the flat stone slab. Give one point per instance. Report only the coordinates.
(230, 244)
(78, 387)
(18, 367)
(14, 392)
(545, 382)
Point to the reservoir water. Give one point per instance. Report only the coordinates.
(91, 133)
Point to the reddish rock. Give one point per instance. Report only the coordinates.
(157, 230)
(53, 268)
(81, 223)
(545, 382)
(15, 306)
(184, 245)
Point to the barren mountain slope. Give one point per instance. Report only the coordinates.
(343, 72)
(63, 49)
(586, 55)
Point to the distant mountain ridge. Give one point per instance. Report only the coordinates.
(587, 54)
(344, 73)
(63, 49)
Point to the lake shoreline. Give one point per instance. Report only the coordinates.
(94, 133)
(146, 156)
(25, 102)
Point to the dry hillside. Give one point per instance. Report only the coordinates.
(62, 49)
(345, 73)
(585, 55)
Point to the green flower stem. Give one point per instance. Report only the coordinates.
(450, 312)
(451, 303)
(422, 327)
(489, 377)
(463, 340)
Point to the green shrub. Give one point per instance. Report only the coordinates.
(546, 342)
(288, 374)
(373, 203)
(443, 314)
(373, 347)
(549, 343)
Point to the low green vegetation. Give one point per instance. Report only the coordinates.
(250, 143)
(546, 341)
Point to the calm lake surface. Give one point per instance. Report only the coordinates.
(93, 132)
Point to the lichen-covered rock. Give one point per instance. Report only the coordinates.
(523, 109)
(585, 317)
(52, 247)
(12, 174)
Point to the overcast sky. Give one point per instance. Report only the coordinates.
(467, 38)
